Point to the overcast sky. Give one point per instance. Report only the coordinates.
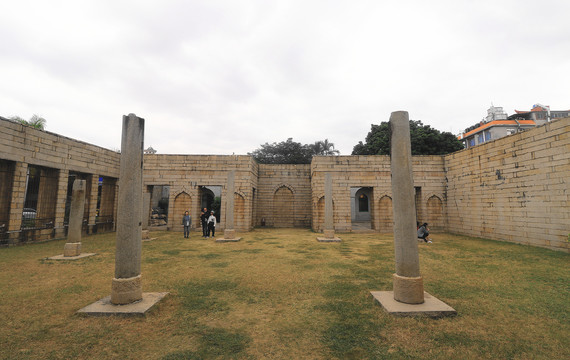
(223, 77)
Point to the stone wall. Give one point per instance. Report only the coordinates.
(515, 188)
(22, 147)
(284, 196)
(186, 174)
(374, 172)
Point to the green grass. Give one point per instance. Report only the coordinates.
(280, 294)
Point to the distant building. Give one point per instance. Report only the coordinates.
(150, 150)
(498, 124)
(541, 114)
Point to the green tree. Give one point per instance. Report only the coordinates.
(35, 121)
(291, 152)
(425, 140)
(324, 147)
(285, 152)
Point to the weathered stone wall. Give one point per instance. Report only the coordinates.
(284, 195)
(185, 174)
(514, 188)
(23, 146)
(374, 172)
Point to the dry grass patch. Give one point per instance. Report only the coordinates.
(280, 294)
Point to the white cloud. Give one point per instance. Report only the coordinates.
(223, 76)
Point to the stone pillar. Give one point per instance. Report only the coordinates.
(229, 231)
(145, 213)
(62, 184)
(408, 283)
(127, 286)
(328, 230)
(18, 197)
(329, 226)
(77, 209)
(145, 210)
(92, 203)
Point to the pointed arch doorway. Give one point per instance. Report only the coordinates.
(361, 208)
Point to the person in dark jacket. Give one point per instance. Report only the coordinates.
(187, 222)
(423, 233)
(204, 219)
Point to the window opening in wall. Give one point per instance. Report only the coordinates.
(159, 199)
(211, 198)
(105, 218)
(361, 214)
(418, 202)
(40, 198)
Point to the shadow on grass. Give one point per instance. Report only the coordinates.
(215, 343)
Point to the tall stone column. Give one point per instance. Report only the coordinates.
(408, 297)
(145, 213)
(408, 283)
(146, 210)
(62, 184)
(229, 231)
(127, 286)
(93, 202)
(76, 211)
(328, 230)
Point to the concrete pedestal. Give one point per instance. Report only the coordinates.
(105, 307)
(62, 257)
(229, 236)
(328, 236)
(431, 307)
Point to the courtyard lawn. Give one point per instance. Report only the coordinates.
(280, 294)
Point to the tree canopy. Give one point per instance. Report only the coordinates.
(425, 140)
(35, 121)
(292, 152)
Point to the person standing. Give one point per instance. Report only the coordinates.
(204, 219)
(187, 222)
(212, 224)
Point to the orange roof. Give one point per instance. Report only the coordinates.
(498, 122)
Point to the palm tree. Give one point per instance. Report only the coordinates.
(35, 121)
(325, 148)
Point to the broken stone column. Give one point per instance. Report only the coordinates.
(328, 230)
(77, 209)
(127, 286)
(229, 231)
(407, 281)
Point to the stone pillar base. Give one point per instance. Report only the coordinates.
(126, 291)
(72, 249)
(229, 234)
(409, 290)
(328, 234)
